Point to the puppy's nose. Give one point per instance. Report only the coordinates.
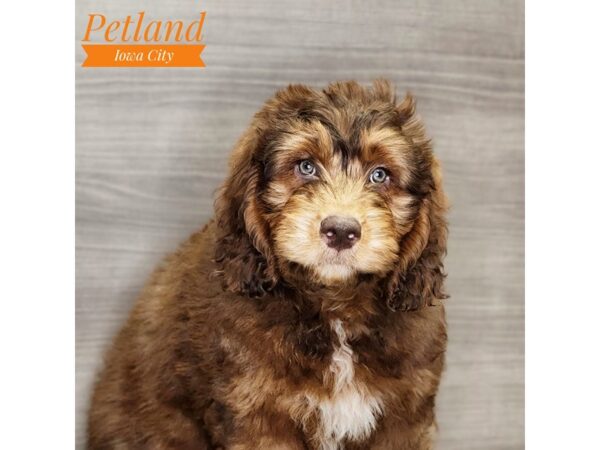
(340, 232)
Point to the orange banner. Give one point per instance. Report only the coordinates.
(105, 55)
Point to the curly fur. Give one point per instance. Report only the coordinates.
(255, 334)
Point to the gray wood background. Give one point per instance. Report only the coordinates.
(152, 146)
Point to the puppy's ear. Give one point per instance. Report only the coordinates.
(243, 251)
(419, 277)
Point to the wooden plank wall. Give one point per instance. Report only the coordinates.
(152, 146)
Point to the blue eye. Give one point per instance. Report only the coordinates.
(307, 168)
(378, 175)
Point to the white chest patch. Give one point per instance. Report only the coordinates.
(351, 411)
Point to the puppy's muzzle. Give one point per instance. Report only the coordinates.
(340, 232)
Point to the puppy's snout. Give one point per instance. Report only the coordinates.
(340, 232)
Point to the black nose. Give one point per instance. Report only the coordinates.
(340, 232)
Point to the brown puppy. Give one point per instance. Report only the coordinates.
(306, 316)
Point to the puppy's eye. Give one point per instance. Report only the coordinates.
(307, 168)
(378, 175)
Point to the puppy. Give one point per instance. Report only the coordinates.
(307, 314)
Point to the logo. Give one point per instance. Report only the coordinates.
(138, 42)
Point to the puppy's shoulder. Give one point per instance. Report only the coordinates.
(183, 282)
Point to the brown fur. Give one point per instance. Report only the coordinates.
(255, 335)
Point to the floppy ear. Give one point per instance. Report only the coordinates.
(243, 250)
(419, 277)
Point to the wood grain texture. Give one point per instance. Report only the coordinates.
(152, 146)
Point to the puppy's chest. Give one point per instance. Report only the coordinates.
(347, 409)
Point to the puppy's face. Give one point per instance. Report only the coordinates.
(339, 211)
(342, 187)
(334, 184)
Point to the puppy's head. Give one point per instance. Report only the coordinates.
(331, 186)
